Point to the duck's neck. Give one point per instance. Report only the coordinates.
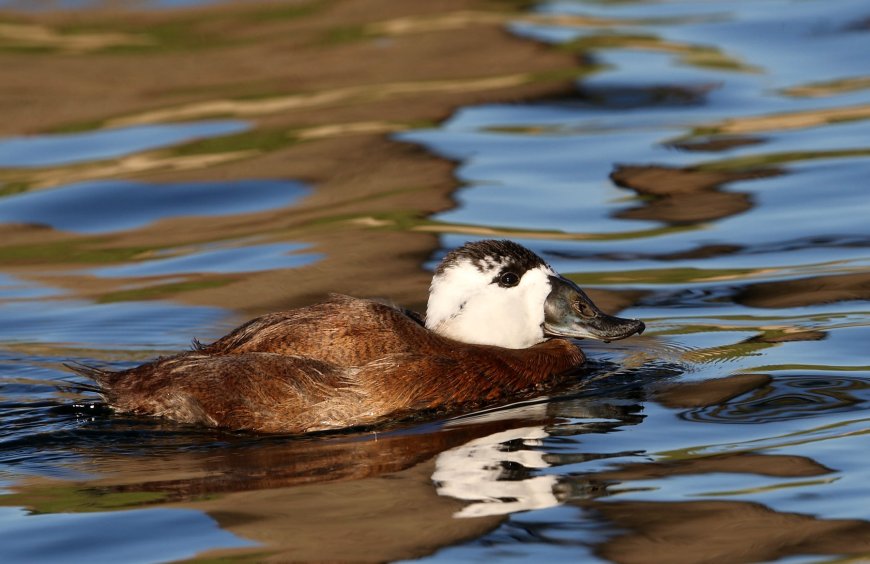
(494, 373)
(451, 375)
(544, 361)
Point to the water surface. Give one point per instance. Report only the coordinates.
(706, 173)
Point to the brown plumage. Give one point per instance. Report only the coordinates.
(350, 362)
(345, 362)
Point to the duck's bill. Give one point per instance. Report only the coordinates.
(568, 312)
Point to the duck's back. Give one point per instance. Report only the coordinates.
(343, 330)
(296, 371)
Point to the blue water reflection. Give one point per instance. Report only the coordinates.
(750, 31)
(144, 535)
(770, 284)
(14, 288)
(147, 325)
(252, 258)
(68, 148)
(105, 206)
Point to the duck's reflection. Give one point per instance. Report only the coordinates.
(506, 472)
(493, 474)
(519, 469)
(240, 464)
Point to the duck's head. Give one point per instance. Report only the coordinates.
(500, 293)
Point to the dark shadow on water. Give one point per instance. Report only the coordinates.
(787, 396)
(716, 144)
(681, 196)
(806, 291)
(624, 97)
(724, 531)
(799, 292)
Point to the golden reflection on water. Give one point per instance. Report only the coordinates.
(142, 163)
(334, 97)
(40, 36)
(790, 120)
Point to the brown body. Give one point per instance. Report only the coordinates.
(342, 363)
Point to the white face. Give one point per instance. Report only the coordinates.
(466, 304)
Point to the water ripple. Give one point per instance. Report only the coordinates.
(69, 148)
(106, 206)
(788, 397)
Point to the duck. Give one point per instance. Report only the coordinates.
(500, 325)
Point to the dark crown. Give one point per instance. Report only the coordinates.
(482, 253)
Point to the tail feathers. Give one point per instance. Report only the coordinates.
(101, 376)
(73, 387)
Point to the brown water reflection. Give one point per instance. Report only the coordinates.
(718, 531)
(306, 499)
(725, 531)
(712, 530)
(320, 83)
(807, 291)
(684, 195)
(293, 70)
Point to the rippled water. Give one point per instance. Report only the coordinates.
(708, 175)
(37, 5)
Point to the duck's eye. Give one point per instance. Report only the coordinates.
(584, 309)
(508, 280)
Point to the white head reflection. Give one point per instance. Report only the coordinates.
(475, 472)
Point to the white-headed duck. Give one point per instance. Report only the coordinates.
(497, 327)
